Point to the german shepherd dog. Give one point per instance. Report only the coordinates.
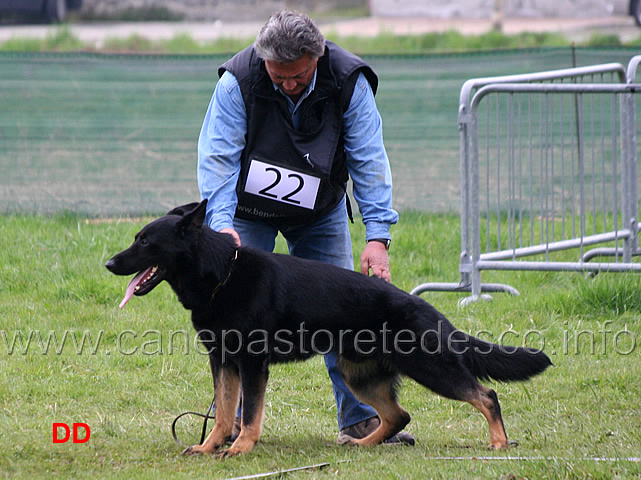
(252, 308)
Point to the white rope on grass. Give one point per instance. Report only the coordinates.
(530, 459)
(452, 458)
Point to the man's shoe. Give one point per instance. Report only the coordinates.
(364, 428)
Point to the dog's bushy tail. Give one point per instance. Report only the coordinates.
(500, 362)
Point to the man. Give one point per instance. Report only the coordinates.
(290, 118)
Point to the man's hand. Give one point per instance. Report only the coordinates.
(375, 258)
(233, 233)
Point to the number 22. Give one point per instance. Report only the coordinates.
(287, 197)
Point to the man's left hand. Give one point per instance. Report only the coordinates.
(375, 258)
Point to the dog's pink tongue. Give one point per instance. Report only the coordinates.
(131, 288)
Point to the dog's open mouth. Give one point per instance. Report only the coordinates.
(143, 283)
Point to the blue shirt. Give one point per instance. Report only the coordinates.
(222, 141)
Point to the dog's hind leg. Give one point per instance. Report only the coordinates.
(227, 390)
(486, 402)
(254, 384)
(375, 384)
(451, 380)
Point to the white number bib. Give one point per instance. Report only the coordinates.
(282, 184)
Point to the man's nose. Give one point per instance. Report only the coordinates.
(289, 84)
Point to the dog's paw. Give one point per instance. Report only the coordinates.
(228, 453)
(503, 446)
(196, 450)
(191, 450)
(345, 440)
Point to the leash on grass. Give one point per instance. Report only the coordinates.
(203, 433)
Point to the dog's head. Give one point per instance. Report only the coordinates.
(156, 250)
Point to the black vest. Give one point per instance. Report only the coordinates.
(293, 176)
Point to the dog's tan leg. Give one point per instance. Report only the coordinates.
(248, 437)
(393, 417)
(252, 421)
(227, 390)
(487, 403)
(375, 386)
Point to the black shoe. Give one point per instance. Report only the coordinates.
(364, 428)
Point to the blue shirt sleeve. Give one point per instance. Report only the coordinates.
(367, 161)
(220, 144)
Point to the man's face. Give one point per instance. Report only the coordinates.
(292, 77)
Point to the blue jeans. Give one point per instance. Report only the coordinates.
(328, 240)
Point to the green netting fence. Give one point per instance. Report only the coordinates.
(113, 135)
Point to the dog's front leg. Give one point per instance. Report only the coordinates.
(254, 382)
(227, 390)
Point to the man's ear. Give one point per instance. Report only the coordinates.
(194, 218)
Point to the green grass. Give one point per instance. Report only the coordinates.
(63, 40)
(140, 368)
(60, 40)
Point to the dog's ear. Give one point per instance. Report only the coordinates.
(194, 218)
(182, 209)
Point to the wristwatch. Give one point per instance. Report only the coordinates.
(384, 241)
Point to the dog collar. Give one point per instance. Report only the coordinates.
(222, 284)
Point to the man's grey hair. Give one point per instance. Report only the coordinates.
(287, 36)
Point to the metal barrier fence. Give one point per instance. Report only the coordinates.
(548, 165)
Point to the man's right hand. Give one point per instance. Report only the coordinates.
(233, 233)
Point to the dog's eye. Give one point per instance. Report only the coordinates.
(143, 241)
